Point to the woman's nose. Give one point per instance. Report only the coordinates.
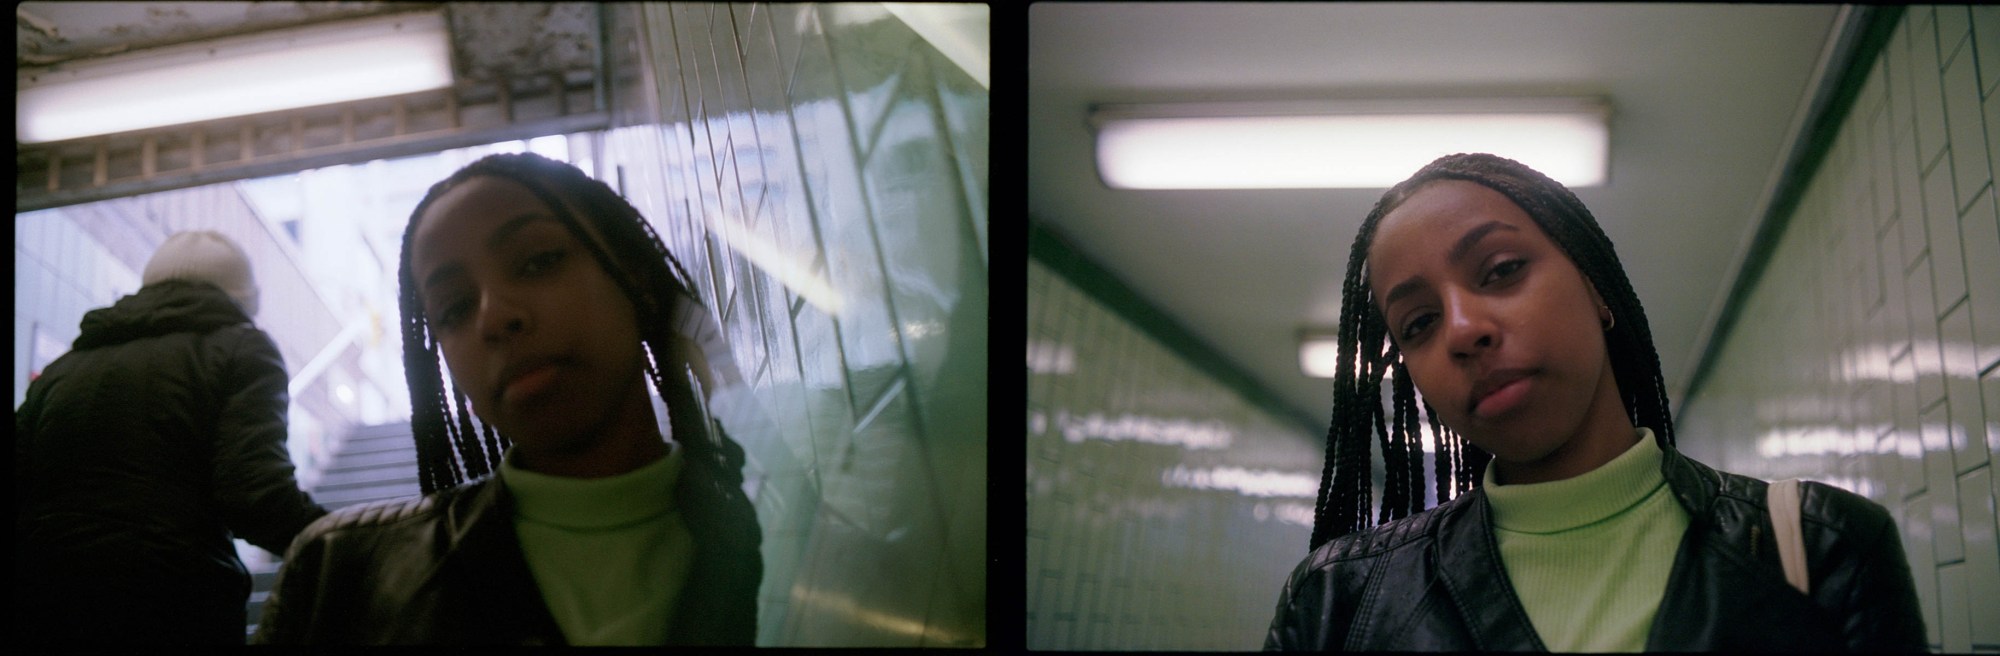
(500, 316)
(1469, 327)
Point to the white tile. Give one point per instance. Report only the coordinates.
(1990, 389)
(1923, 562)
(1926, 77)
(1955, 617)
(1985, 36)
(1980, 236)
(1942, 483)
(1967, 414)
(1970, 170)
(1982, 550)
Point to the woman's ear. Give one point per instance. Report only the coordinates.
(1596, 299)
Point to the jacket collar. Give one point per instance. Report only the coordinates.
(1695, 485)
(480, 574)
(1468, 556)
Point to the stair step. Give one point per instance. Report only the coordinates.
(398, 428)
(378, 443)
(335, 480)
(348, 461)
(338, 499)
(375, 463)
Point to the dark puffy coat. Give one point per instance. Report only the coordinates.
(139, 455)
(447, 569)
(1434, 581)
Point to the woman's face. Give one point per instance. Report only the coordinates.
(535, 333)
(1500, 331)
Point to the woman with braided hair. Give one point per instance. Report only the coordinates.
(554, 510)
(1486, 295)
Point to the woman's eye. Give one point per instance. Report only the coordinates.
(1417, 324)
(1503, 270)
(542, 262)
(451, 314)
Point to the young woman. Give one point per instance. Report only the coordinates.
(1566, 519)
(573, 521)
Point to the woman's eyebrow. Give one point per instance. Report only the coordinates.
(493, 243)
(1473, 236)
(1458, 252)
(512, 226)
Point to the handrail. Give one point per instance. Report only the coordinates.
(318, 365)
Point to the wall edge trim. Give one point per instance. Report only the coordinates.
(1850, 57)
(1047, 246)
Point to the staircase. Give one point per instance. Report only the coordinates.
(375, 463)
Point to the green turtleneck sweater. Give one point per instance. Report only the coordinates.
(609, 554)
(1589, 555)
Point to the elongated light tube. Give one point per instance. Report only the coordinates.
(1352, 144)
(274, 71)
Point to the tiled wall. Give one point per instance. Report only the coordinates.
(1164, 509)
(1866, 356)
(60, 272)
(820, 170)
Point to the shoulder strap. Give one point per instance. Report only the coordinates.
(1784, 503)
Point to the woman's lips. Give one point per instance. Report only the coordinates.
(1502, 399)
(530, 384)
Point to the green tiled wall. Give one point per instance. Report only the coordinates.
(1164, 509)
(821, 172)
(1866, 355)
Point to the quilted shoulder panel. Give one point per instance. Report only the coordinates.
(375, 513)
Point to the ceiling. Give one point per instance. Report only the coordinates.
(1704, 98)
(487, 38)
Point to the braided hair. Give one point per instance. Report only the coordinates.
(449, 449)
(1366, 356)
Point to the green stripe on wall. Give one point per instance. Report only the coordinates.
(1871, 26)
(1049, 248)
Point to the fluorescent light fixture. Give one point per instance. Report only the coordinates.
(1343, 144)
(251, 74)
(1319, 354)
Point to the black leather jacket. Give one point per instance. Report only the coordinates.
(1434, 581)
(447, 568)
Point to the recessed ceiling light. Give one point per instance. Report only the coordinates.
(1319, 353)
(1344, 144)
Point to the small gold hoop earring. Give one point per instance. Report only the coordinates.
(1610, 320)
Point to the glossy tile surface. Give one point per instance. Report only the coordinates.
(1866, 356)
(802, 165)
(1164, 510)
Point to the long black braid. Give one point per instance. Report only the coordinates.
(1366, 355)
(449, 449)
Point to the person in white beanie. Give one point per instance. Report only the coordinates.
(143, 451)
(205, 256)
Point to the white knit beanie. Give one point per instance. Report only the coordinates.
(205, 256)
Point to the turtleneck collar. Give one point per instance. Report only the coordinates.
(1585, 499)
(593, 503)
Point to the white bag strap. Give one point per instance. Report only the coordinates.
(1784, 502)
